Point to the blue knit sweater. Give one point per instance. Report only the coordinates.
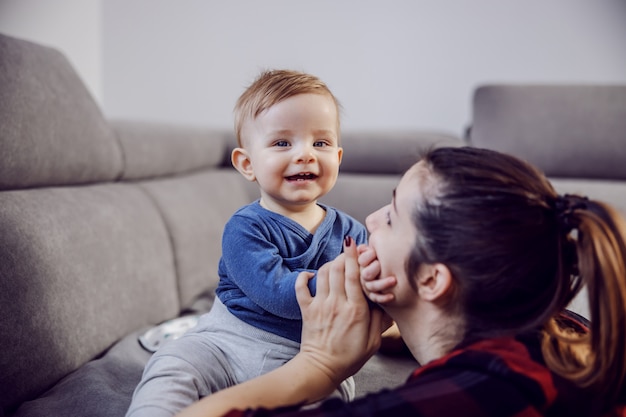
(262, 254)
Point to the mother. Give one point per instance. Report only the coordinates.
(482, 257)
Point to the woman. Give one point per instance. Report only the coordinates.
(475, 259)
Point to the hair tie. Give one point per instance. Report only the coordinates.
(564, 206)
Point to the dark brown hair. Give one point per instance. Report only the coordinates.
(519, 253)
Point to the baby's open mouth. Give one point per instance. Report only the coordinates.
(302, 177)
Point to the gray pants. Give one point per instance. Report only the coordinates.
(219, 352)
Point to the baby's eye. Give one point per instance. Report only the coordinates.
(388, 218)
(281, 143)
(321, 143)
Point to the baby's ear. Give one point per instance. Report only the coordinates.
(242, 163)
(340, 154)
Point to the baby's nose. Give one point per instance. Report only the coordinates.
(306, 154)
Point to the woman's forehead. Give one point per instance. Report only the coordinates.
(414, 184)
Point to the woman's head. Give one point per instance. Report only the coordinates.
(490, 219)
(517, 253)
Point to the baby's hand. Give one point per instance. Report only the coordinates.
(377, 289)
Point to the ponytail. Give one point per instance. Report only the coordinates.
(596, 359)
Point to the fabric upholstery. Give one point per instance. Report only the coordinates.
(195, 208)
(51, 130)
(154, 150)
(395, 151)
(102, 387)
(80, 267)
(575, 131)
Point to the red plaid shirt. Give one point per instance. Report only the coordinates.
(496, 377)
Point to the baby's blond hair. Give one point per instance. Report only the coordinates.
(273, 86)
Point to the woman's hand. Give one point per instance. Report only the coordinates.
(340, 332)
(377, 289)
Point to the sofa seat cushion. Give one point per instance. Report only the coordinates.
(81, 267)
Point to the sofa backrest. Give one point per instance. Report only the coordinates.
(51, 129)
(573, 131)
(576, 134)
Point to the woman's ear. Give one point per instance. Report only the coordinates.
(434, 282)
(241, 161)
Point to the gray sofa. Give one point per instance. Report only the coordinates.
(111, 227)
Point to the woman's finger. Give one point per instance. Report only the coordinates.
(322, 284)
(352, 283)
(337, 276)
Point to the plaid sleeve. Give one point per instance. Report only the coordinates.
(491, 378)
(443, 393)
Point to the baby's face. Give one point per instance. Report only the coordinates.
(294, 150)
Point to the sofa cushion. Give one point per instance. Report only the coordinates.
(81, 267)
(195, 208)
(51, 130)
(566, 130)
(153, 150)
(102, 387)
(395, 151)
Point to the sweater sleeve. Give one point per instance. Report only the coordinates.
(254, 264)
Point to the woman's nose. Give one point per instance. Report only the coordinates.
(373, 220)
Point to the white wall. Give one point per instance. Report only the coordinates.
(72, 26)
(393, 64)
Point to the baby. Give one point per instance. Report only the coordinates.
(287, 127)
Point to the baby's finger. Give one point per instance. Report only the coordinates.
(371, 271)
(381, 285)
(380, 298)
(303, 295)
(366, 255)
